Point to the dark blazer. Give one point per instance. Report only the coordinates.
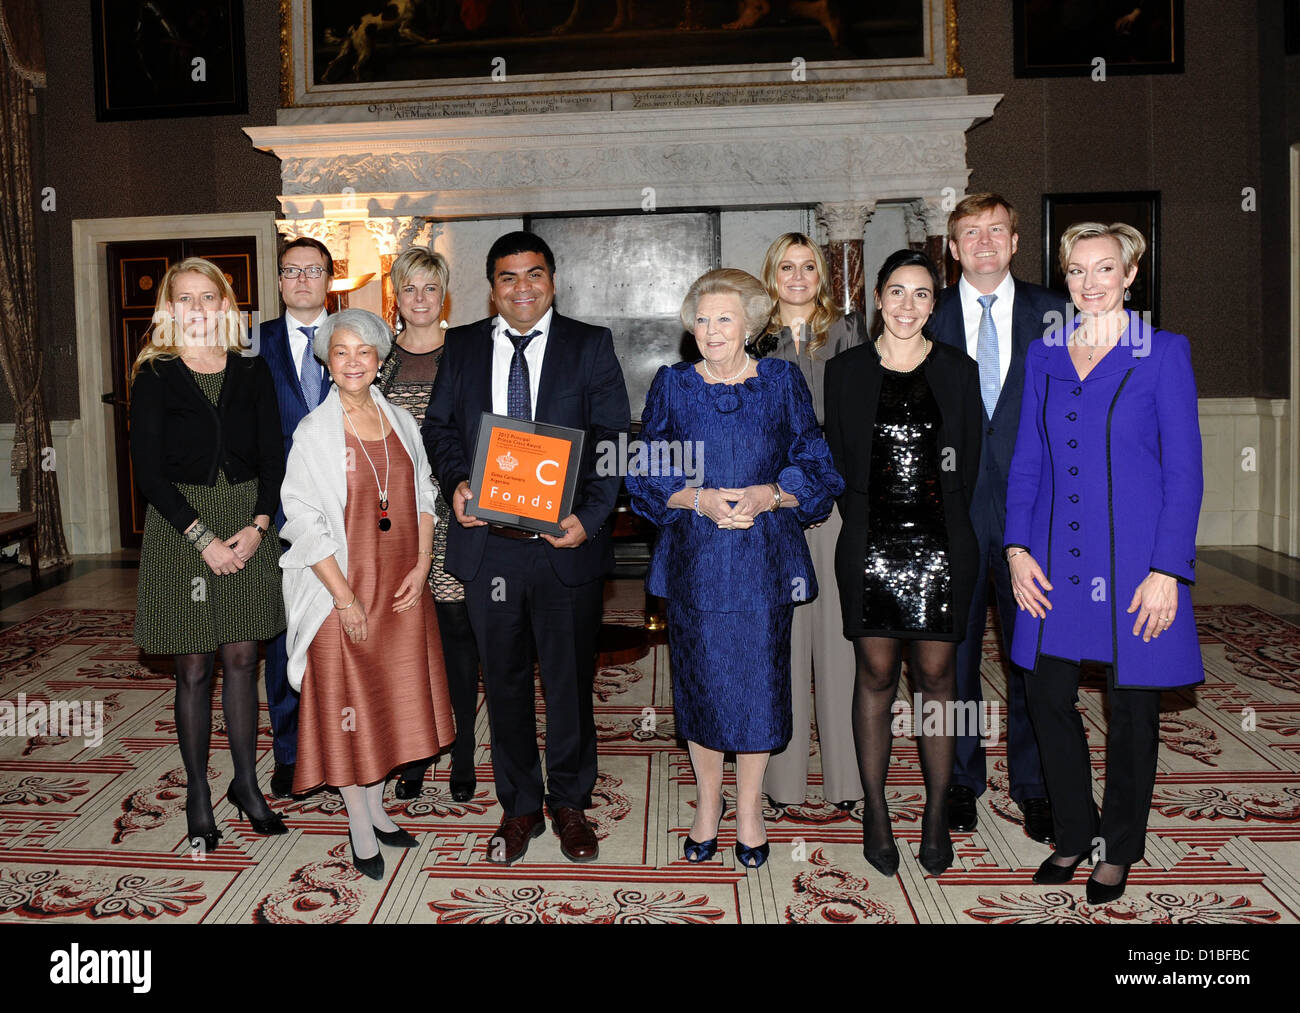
(1030, 319)
(853, 380)
(178, 435)
(581, 387)
(271, 339)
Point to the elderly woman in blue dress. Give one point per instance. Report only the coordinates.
(1102, 507)
(731, 557)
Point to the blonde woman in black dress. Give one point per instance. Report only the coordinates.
(208, 455)
(420, 278)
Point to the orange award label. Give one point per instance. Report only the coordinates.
(524, 474)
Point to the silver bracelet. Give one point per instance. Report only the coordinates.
(697, 502)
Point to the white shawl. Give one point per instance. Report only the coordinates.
(313, 495)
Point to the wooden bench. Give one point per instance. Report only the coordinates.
(17, 527)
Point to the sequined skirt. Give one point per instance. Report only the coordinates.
(907, 588)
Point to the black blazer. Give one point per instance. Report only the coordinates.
(581, 387)
(1030, 319)
(178, 435)
(853, 380)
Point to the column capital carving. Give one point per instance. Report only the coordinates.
(332, 232)
(392, 235)
(931, 214)
(845, 220)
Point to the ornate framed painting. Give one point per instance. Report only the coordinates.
(474, 57)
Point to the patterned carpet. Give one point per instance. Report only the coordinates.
(97, 832)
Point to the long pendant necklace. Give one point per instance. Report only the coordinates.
(384, 522)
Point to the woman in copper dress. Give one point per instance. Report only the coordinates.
(363, 639)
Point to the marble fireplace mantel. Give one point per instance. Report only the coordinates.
(733, 157)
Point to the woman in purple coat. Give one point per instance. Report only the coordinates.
(1102, 506)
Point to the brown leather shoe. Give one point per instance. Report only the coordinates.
(508, 844)
(577, 838)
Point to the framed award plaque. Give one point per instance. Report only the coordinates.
(525, 473)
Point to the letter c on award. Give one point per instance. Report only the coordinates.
(543, 464)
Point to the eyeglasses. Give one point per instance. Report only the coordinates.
(293, 272)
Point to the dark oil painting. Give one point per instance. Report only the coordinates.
(161, 58)
(411, 40)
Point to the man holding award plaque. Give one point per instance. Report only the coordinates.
(521, 404)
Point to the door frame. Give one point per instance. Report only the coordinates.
(97, 480)
(1293, 450)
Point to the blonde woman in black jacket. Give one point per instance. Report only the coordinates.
(207, 453)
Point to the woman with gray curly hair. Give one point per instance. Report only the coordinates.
(731, 557)
(363, 642)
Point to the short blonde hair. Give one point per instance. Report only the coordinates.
(755, 303)
(165, 336)
(1131, 243)
(420, 260)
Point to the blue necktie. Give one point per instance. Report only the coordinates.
(309, 370)
(519, 397)
(986, 354)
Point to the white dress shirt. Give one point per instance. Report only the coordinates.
(971, 311)
(298, 343)
(503, 350)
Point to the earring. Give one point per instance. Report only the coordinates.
(1127, 295)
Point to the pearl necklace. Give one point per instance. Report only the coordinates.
(925, 350)
(725, 379)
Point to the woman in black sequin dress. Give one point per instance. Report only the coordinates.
(903, 422)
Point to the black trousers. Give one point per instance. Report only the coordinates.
(1132, 744)
(460, 654)
(1024, 766)
(517, 605)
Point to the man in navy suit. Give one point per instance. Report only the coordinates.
(994, 318)
(301, 384)
(523, 591)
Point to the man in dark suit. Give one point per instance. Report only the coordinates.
(526, 591)
(301, 383)
(993, 317)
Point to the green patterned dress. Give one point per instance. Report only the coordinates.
(182, 606)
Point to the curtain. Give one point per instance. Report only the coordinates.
(22, 70)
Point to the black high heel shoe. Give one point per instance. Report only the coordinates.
(1104, 893)
(398, 838)
(702, 851)
(883, 860)
(372, 868)
(936, 859)
(406, 788)
(1054, 873)
(268, 827)
(462, 789)
(207, 836)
